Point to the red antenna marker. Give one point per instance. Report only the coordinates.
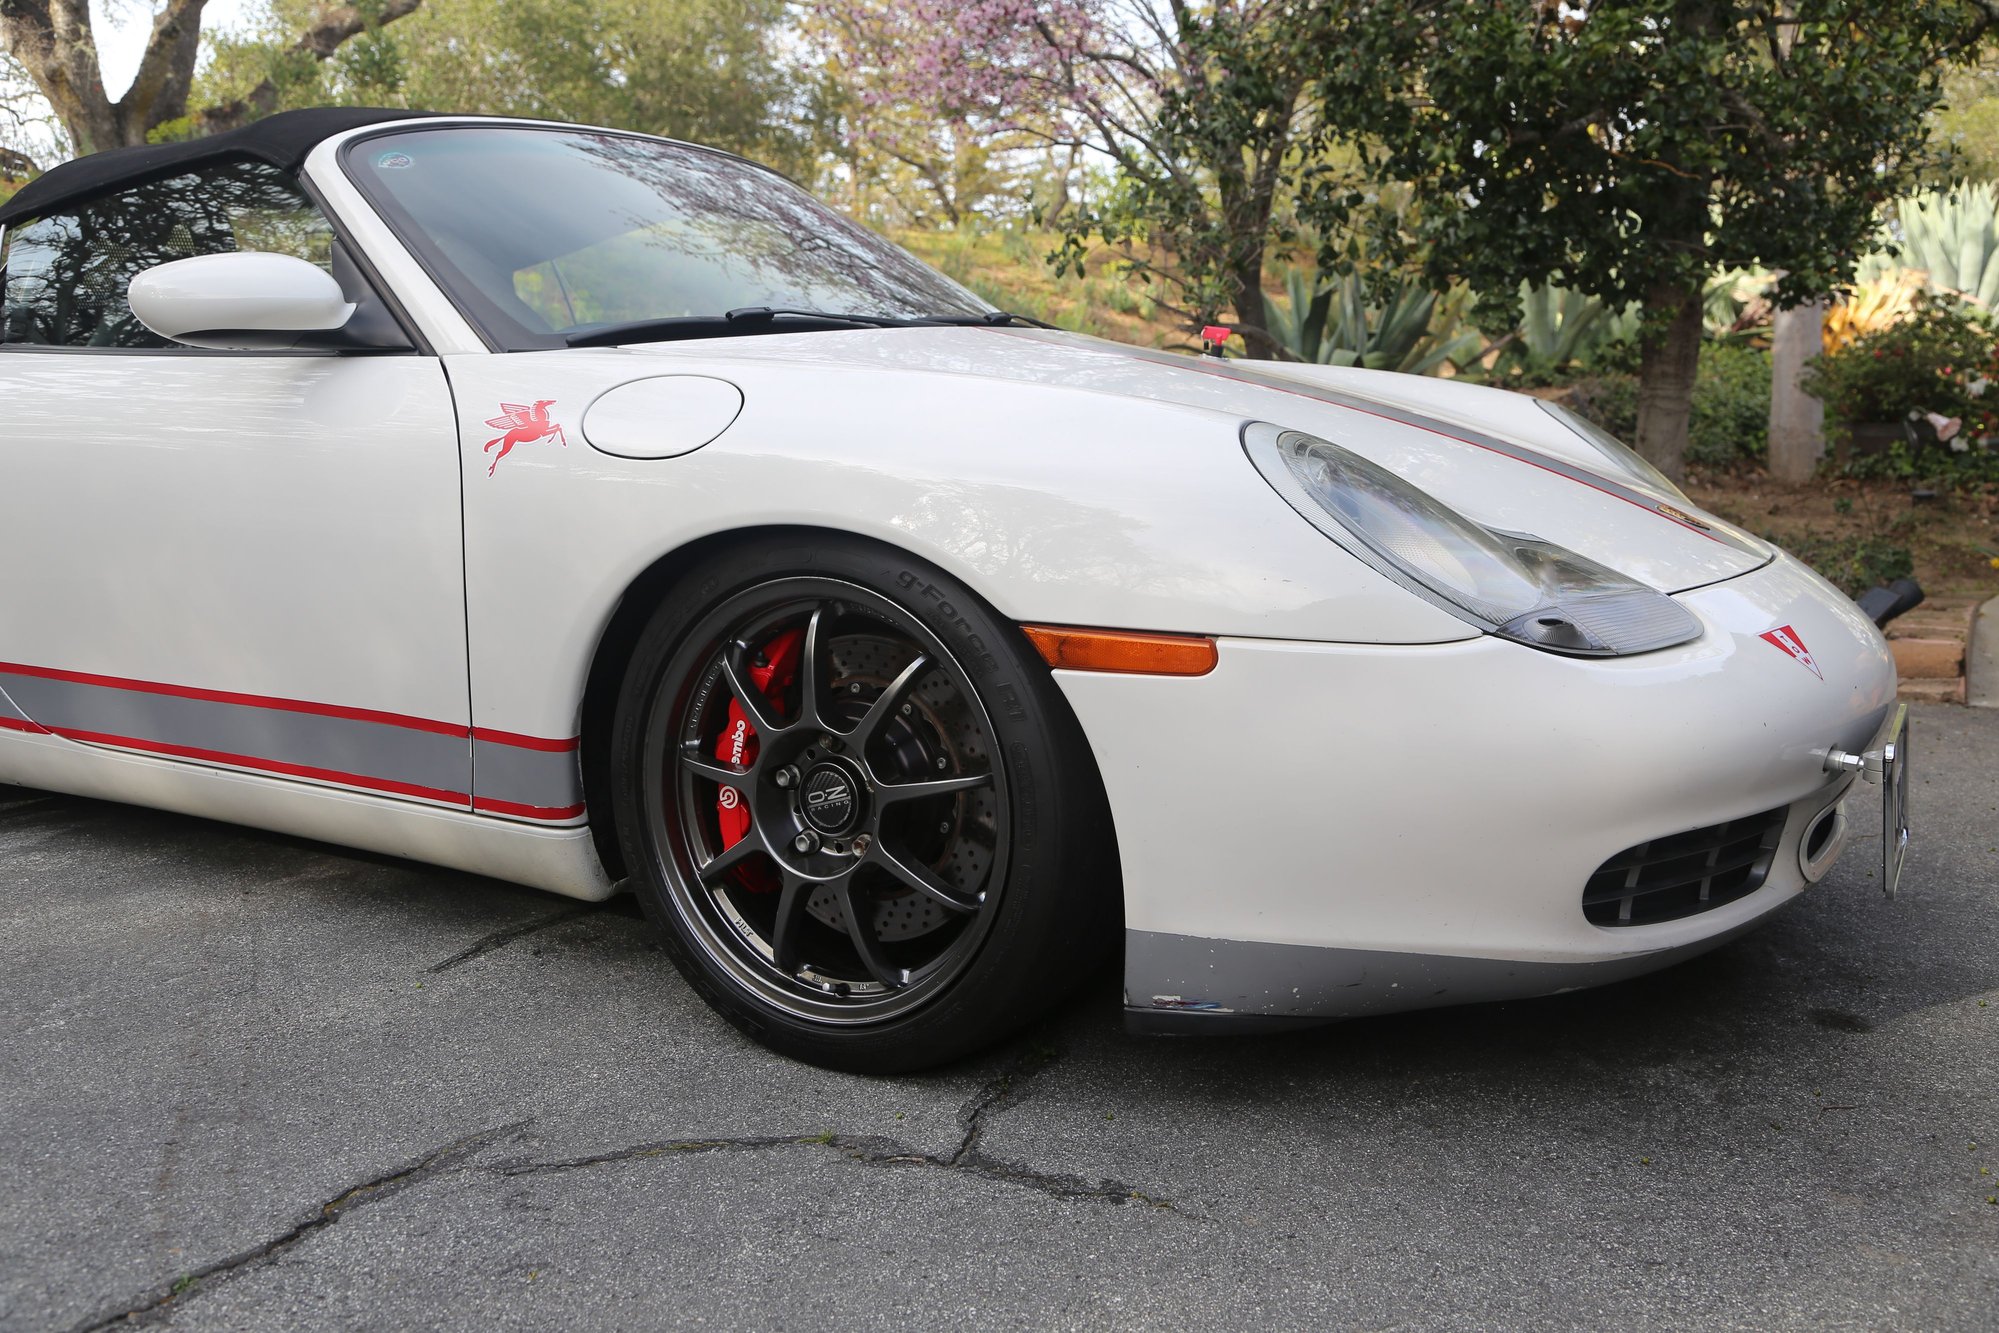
(1216, 337)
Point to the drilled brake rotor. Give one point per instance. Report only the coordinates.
(957, 838)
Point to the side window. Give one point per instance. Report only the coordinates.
(63, 277)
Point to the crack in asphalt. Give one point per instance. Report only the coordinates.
(879, 1150)
(370, 1191)
(996, 1094)
(499, 939)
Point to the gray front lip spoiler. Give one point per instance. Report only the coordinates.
(1177, 984)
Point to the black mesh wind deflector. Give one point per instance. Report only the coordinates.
(283, 140)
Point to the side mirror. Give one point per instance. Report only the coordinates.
(246, 300)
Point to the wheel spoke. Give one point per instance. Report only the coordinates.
(921, 878)
(809, 662)
(756, 704)
(860, 928)
(888, 793)
(729, 858)
(888, 701)
(789, 922)
(716, 770)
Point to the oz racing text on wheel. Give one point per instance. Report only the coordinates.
(860, 811)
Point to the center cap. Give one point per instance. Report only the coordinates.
(829, 798)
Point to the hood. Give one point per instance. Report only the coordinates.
(1493, 455)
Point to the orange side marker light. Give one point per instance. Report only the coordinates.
(1123, 651)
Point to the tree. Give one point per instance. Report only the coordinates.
(902, 160)
(710, 70)
(1628, 148)
(1197, 109)
(54, 42)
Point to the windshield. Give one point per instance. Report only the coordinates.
(538, 234)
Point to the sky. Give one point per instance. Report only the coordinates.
(122, 27)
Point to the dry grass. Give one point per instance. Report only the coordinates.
(1845, 527)
(1010, 269)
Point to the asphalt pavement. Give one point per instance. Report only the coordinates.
(248, 1082)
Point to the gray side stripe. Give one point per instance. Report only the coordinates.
(399, 755)
(8, 709)
(545, 779)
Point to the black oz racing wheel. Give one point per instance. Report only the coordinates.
(858, 806)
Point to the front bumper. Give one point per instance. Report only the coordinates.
(1316, 831)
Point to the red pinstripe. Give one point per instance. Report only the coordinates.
(274, 703)
(493, 736)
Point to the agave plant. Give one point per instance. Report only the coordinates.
(1872, 306)
(1559, 327)
(1414, 331)
(1950, 234)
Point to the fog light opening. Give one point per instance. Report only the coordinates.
(1824, 839)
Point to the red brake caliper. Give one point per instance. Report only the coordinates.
(737, 744)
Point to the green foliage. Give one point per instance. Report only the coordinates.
(1923, 364)
(1731, 417)
(1558, 330)
(1853, 563)
(1951, 235)
(1412, 331)
(1636, 147)
(1731, 408)
(708, 70)
(1194, 205)
(1627, 149)
(1969, 120)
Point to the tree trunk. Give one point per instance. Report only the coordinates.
(54, 42)
(1670, 357)
(1797, 420)
(1250, 307)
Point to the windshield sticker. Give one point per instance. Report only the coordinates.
(523, 425)
(395, 161)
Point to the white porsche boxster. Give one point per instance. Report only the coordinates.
(580, 508)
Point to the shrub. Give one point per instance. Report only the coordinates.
(1855, 564)
(1924, 364)
(1731, 418)
(1731, 413)
(1941, 363)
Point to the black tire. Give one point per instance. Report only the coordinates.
(974, 852)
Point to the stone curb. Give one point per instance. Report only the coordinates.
(1931, 650)
(1981, 658)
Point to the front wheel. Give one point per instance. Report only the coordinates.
(858, 806)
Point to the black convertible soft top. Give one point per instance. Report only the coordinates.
(283, 140)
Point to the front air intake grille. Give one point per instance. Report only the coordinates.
(1684, 874)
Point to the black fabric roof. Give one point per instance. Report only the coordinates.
(283, 140)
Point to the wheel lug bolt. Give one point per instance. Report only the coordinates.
(807, 842)
(861, 844)
(785, 777)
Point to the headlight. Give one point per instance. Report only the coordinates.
(1621, 456)
(1509, 584)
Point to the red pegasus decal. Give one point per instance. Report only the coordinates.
(523, 425)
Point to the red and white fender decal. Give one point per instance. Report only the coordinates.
(1786, 640)
(478, 768)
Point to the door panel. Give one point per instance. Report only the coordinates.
(244, 560)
